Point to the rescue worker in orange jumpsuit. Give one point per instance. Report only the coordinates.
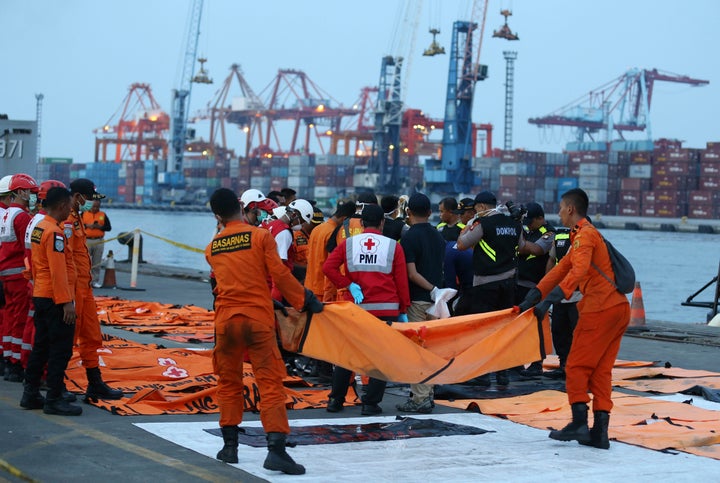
(29, 334)
(16, 289)
(377, 281)
(88, 335)
(317, 251)
(301, 240)
(604, 314)
(53, 274)
(244, 321)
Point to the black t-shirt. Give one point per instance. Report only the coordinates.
(393, 228)
(425, 247)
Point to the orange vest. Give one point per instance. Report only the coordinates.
(52, 268)
(88, 218)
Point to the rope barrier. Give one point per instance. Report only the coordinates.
(174, 243)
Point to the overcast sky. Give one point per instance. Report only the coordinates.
(83, 55)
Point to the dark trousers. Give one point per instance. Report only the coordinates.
(488, 297)
(341, 383)
(563, 321)
(53, 346)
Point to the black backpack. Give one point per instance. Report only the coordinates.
(624, 273)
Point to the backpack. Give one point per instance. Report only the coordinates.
(624, 272)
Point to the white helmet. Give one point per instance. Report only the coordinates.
(304, 208)
(279, 212)
(251, 196)
(5, 184)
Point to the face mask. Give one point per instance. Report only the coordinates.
(296, 227)
(87, 206)
(32, 201)
(262, 216)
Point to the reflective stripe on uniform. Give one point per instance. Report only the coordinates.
(380, 306)
(26, 346)
(11, 271)
(487, 249)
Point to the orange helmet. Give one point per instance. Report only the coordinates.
(22, 181)
(46, 185)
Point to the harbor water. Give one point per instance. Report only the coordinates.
(670, 266)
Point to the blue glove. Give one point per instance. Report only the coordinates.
(402, 318)
(356, 292)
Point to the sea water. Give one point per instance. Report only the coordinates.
(669, 266)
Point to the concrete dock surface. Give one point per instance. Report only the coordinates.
(99, 445)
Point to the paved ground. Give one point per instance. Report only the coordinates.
(99, 445)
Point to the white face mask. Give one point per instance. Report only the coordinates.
(32, 201)
(296, 227)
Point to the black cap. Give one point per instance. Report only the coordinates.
(486, 198)
(463, 205)
(372, 214)
(86, 188)
(534, 210)
(367, 198)
(345, 208)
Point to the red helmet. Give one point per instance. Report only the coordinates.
(46, 185)
(267, 204)
(22, 181)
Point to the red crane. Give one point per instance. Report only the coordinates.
(297, 100)
(243, 108)
(138, 129)
(622, 104)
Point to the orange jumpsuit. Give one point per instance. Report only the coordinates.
(88, 335)
(350, 227)
(245, 321)
(604, 313)
(317, 253)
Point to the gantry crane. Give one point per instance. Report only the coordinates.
(452, 174)
(181, 95)
(137, 130)
(622, 104)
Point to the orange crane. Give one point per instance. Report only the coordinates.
(137, 130)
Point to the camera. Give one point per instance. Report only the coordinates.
(516, 212)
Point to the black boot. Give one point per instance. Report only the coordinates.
(31, 398)
(577, 430)
(278, 459)
(229, 452)
(16, 374)
(599, 432)
(97, 389)
(61, 407)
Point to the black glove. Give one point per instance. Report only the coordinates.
(278, 306)
(312, 304)
(532, 298)
(555, 296)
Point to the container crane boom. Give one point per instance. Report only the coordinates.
(181, 96)
(623, 104)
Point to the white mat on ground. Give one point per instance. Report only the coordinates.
(512, 453)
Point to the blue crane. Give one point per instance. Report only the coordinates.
(452, 174)
(388, 117)
(181, 96)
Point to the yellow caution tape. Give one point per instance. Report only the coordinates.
(174, 243)
(4, 465)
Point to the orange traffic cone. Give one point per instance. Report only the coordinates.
(109, 278)
(637, 309)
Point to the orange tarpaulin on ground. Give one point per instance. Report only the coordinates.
(173, 381)
(442, 351)
(637, 420)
